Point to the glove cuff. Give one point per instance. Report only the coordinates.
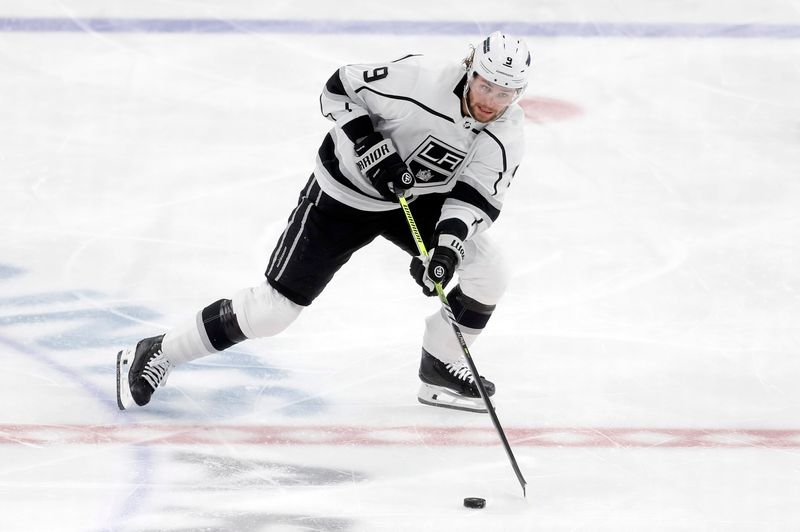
(446, 241)
(364, 143)
(451, 233)
(358, 128)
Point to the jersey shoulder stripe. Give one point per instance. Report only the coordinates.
(407, 99)
(502, 148)
(406, 57)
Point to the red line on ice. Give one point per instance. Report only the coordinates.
(338, 435)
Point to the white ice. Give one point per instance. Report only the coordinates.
(647, 354)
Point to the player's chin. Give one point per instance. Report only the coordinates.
(482, 116)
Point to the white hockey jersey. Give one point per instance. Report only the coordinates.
(417, 103)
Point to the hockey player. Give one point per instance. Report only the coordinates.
(449, 138)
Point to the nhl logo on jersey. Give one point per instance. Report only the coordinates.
(434, 161)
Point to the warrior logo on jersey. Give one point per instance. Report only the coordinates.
(435, 161)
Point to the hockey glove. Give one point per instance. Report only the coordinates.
(379, 162)
(441, 264)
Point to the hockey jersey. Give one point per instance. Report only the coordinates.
(416, 102)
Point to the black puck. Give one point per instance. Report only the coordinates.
(474, 502)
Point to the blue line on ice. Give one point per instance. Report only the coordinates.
(394, 27)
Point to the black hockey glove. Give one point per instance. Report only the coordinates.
(379, 162)
(440, 265)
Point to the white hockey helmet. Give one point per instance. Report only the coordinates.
(502, 60)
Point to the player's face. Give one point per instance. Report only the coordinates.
(485, 100)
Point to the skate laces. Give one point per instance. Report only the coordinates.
(157, 369)
(461, 370)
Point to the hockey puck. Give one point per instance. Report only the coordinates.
(474, 502)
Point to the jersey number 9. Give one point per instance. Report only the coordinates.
(376, 74)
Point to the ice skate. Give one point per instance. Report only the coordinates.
(140, 371)
(450, 385)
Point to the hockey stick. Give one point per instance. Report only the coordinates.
(476, 376)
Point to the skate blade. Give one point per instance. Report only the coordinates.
(124, 398)
(442, 397)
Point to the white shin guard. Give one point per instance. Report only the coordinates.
(263, 311)
(483, 277)
(259, 312)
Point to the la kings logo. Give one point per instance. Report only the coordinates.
(435, 161)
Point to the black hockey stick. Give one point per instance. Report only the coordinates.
(476, 376)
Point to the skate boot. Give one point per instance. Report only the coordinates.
(140, 371)
(450, 385)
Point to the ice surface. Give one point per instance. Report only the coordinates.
(645, 354)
